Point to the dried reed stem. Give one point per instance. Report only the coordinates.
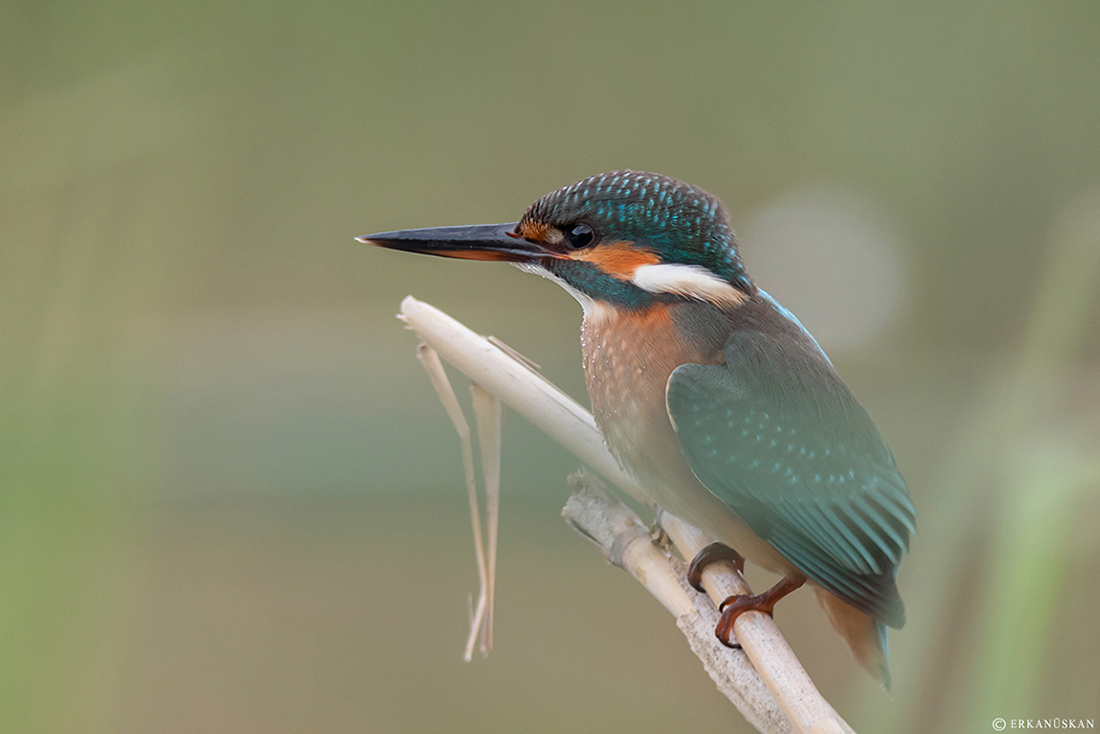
(625, 541)
(487, 412)
(481, 614)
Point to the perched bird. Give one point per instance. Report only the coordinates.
(713, 395)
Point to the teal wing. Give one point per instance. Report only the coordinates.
(777, 436)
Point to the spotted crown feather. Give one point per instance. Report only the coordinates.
(682, 223)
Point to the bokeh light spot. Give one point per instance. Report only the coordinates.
(833, 257)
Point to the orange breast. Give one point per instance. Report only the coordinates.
(628, 358)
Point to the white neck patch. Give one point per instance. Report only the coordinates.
(691, 281)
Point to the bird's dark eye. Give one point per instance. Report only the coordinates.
(580, 236)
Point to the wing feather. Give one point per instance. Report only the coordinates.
(776, 435)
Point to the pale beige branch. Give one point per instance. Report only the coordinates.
(761, 640)
(626, 543)
(558, 415)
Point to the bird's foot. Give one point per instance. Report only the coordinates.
(710, 554)
(734, 606)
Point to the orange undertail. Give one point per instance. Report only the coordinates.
(865, 635)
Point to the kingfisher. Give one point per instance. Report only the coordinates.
(714, 396)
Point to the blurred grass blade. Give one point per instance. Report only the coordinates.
(1031, 558)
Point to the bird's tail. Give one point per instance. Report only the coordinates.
(865, 635)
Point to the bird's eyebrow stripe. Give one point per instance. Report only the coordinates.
(620, 259)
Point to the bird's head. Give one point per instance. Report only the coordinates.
(626, 238)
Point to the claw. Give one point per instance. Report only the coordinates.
(734, 606)
(730, 645)
(710, 554)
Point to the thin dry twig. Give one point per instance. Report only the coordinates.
(487, 414)
(487, 409)
(558, 415)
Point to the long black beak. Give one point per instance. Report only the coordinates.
(497, 242)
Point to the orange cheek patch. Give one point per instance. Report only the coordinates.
(620, 259)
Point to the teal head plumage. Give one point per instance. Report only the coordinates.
(679, 223)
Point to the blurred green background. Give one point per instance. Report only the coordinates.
(229, 499)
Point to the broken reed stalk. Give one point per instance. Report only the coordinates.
(487, 409)
(487, 412)
(563, 419)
